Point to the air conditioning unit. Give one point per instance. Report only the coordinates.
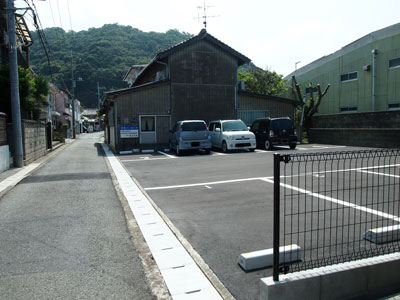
(367, 67)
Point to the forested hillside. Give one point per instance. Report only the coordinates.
(100, 55)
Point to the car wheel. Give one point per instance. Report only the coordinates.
(268, 145)
(224, 147)
(178, 151)
(292, 146)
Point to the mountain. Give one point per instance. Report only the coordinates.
(100, 55)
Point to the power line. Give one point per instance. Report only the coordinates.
(59, 15)
(52, 15)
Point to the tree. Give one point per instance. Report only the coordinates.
(32, 92)
(310, 106)
(263, 82)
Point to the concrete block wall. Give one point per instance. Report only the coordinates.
(34, 140)
(3, 129)
(370, 278)
(4, 158)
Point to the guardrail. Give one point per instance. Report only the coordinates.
(337, 207)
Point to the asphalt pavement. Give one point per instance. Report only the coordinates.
(64, 234)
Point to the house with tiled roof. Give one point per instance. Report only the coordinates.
(193, 80)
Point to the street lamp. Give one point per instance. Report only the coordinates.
(295, 64)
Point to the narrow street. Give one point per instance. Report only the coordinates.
(63, 232)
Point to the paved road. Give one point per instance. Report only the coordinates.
(219, 204)
(63, 233)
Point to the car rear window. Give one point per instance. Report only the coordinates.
(282, 124)
(194, 126)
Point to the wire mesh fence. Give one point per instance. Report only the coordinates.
(337, 206)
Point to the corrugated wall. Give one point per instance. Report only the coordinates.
(275, 107)
(203, 80)
(358, 93)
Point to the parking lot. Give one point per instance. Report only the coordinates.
(219, 202)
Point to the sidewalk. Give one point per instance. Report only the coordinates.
(63, 231)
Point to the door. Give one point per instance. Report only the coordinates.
(147, 129)
(216, 140)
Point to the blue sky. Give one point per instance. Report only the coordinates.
(273, 34)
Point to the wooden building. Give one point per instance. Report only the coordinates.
(196, 79)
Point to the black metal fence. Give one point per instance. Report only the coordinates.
(337, 207)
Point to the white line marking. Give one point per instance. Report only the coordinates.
(209, 187)
(144, 159)
(337, 201)
(167, 155)
(218, 153)
(342, 170)
(319, 147)
(200, 184)
(379, 173)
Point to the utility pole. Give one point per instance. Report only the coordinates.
(73, 98)
(98, 95)
(99, 102)
(14, 86)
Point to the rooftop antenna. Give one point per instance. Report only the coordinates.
(204, 9)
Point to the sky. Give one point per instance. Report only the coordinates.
(275, 35)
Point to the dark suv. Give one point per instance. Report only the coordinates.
(271, 132)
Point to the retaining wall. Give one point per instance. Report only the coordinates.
(370, 278)
(378, 129)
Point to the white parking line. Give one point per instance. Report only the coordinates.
(379, 173)
(337, 201)
(319, 147)
(201, 184)
(217, 153)
(145, 158)
(167, 155)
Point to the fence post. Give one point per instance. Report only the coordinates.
(277, 160)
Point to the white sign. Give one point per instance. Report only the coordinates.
(128, 131)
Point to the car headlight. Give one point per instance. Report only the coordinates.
(231, 137)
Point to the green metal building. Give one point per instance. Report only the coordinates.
(364, 75)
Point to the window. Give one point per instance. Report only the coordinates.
(394, 106)
(194, 126)
(348, 109)
(349, 76)
(211, 128)
(147, 124)
(394, 63)
(314, 90)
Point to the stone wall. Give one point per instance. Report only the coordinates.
(378, 129)
(34, 140)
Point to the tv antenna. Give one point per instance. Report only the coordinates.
(204, 17)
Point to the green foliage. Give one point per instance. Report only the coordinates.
(101, 55)
(32, 92)
(263, 82)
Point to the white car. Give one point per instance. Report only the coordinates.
(231, 135)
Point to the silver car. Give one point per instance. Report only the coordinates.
(190, 135)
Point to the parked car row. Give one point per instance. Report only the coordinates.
(232, 135)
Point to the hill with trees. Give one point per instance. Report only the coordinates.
(99, 55)
(102, 56)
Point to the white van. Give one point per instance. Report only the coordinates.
(231, 135)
